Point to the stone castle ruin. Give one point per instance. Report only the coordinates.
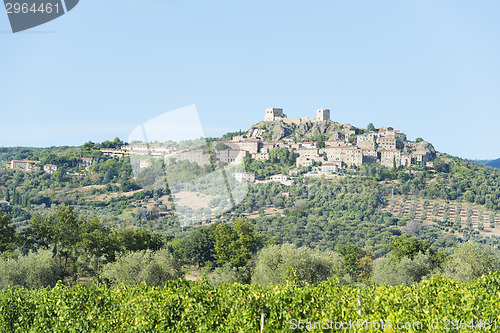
(274, 114)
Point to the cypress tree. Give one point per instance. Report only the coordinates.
(15, 198)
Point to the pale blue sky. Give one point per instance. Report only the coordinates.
(428, 68)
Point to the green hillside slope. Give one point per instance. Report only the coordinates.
(494, 163)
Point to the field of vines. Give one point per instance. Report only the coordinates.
(437, 305)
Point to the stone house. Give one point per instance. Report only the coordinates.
(24, 165)
(421, 157)
(367, 141)
(244, 177)
(50, 168)
(370, 155)
(308, 156)
(231, 155)
(197, 156)
(251, 145)
(329, 167)
(304, 161)
(334, 143)
(279, 178)
(261, 156)
(352, 156)
(386, 143)
(85, 163)
(332, 153)
(389, 157)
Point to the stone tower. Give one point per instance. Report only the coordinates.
(272, 114)
(322, 114)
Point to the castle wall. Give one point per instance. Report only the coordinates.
(273, 114)
(296, 121)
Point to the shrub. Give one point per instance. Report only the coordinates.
(35, 270)
(405, 271)
(470, 261)
(230, 274)
(154, 268)
(312, 266)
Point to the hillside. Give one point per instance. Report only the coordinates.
(494, 163)
(99, 222)
(315, 212)
(448, 202)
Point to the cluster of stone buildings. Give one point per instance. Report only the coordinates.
(384, 146)
(24, 165)
(249, 177)
(126, 150)
(30, 166)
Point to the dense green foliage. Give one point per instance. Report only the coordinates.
(180, 306)
(79, 216)
(471, 261)
(234, 245)
(403, 271)
(460, 179)
(468, 262)
(403, 247)
(229, 274)
(323, 215)
(35, 270)
(265, 169)
(78, 244)
(28, 153)
(7, 233)
(356, 262)
(301, 251)
(154, 268)
(277, 263)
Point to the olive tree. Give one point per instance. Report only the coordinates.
(154, 268)
(470, 261)
(403, 271)
(35, 270)
(311, 266)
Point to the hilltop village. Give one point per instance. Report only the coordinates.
(337, 146)
(326, 146)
